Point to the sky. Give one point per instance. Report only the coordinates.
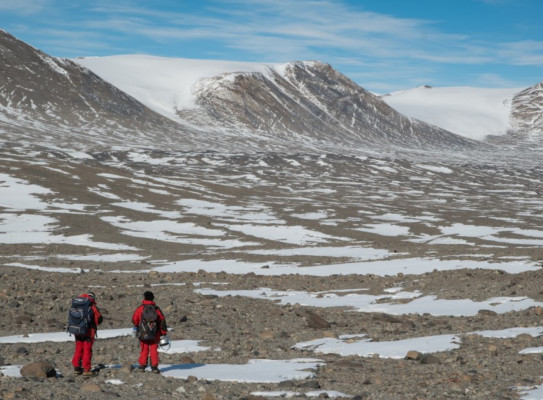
(383, 45)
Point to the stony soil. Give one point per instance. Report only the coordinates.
(246, 329)
(35, 301)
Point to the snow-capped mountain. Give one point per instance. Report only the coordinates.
(197, 106)
(308, 102)
(467, 111)
(499, 115)
(56, 102)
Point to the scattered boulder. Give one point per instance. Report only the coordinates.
(310, 384)
(21, 351)
(525, 337)
(493, 349)
(126, 368)
(413, 355)
(267, 335)
(24, 319)
(15, 394)
(487, 313)
(315, 321)
(91, 387)
(422, 358)
(386, 318)
(186, 360)
(430, 359)
(38, 369)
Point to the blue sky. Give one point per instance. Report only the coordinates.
(383, 45)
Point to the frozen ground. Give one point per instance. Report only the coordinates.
(358, 234)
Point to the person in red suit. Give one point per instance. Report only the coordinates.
(83, 343)
(149, 348)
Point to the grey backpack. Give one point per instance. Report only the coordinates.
(148, 326)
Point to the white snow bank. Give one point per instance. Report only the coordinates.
(387, 349)
(163, 84)
(413, 266)
(396, 349)
(467, 111)
(62, 336)
(255, 371)
(411, 302)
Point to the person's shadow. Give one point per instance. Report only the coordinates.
(180, 367)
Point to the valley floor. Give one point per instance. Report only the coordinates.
(343, 263)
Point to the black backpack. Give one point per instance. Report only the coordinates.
(149, 323)
(80, 316)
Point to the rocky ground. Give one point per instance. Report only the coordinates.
(349, 193)
(246, 329)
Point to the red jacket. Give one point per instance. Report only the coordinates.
(161, 320)
(97, 316)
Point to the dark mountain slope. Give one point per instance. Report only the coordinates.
(306, 107)
(311, 101)
(59, 102)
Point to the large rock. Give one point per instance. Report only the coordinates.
(38, 369)
(315, 321)
(91, 387)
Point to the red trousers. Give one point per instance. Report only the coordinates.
(83, 352)
(148, 348)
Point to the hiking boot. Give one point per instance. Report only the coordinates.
(141, 368)
(78, 370)
(155, 370)
(88, 374)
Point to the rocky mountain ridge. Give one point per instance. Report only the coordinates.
(62, 104)
(527, 111)
(313, 100)
(58, 103)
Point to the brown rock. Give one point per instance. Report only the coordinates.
(430, 359)
(267, 335)
(91, 387)
(38, 369)
(487, 313)
(24, 319)
(413, 355)
(315, 321)
(525, 337)
(126, 368)
(493, 349)
(386, 318)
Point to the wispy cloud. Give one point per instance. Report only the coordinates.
(283, 30)
(24, 7)
(364, 43)
(526, 52)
